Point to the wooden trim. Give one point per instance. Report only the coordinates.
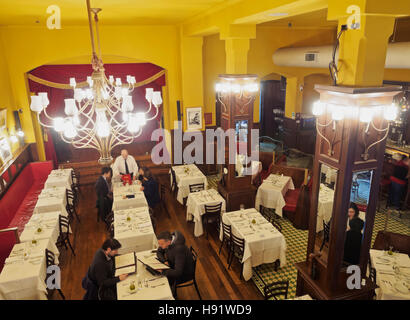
(15, 230)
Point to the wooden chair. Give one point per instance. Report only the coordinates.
(50, 261)
(75, 178)
(64, 236)
(193, 281)
(70, 206)
(275, 289)
(212, 215)
(237, 250)
(174, 186)
(276, 224)
(326, 233)
(197, 187)
(226, 239)
(109, 220)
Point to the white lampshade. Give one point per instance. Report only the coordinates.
(140, 118)
(132, 124)
(366, 115)
(13, 139)
(104, 94)
(127, 105)
(76, 120)
(44, 99)
(90, 81)
(69, 129)
(89, 94)
(148, 94)
(337, 113)
(111, 79)
(103, 129)
(58, 124)
(390, 112)
(118, 82)
(133, 80)
(125, 117)
(124, 92)
(128, 78)
(36, 104)
(235, 87)
(117, 92)
(79, 94)
(318, 108)
(70, 107)
(20, 133)
(156, 98)
(72, 82)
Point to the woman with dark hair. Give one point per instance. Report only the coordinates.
(353, 242)
(398, 182)
(149, 186)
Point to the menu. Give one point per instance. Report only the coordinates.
(125, 264)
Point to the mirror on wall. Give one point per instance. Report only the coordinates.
(241, 131)
(356, 216)
(328, 178)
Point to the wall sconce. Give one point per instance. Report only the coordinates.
(355, 110)
(14, 139)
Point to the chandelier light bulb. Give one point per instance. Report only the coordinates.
(133, 80)
(58, 124)
(103, 129)
(156, 98)
(117, 93)
(128, 79)
(76, 120)
(390, 112)
(70, 107)
(13, 139)
(69, 130)
(133, 126)
(20, 133)
(118, 82)
(124, 92)
(125, 117)
(72, 82)
(318, 108)
(44, 99)
(36, 104)
(90, 81)
(111, 79)
(127, 105)
(140, 118)
(79, 94)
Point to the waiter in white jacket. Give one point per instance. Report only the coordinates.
(125, 164)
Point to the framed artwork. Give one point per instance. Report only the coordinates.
(194, 119)
(3, 119)
(5, 151)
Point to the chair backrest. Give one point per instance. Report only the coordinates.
(194, 258)
(174, 180)
(63, 224)
(50, 258)
(162, 191)
(69, 197)
(372, 274)
(276, 224)
(196, 187)
(238, 242)
(214, 208)
(227, 230)
(326, 230)
(275, 289)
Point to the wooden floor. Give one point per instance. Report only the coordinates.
(214, 280)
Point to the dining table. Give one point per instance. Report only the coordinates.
(42, 226)
(196, 207)
(271, 193)
(187, 175)
(392, 274)
(133, 229)
(147, 286)
(24, 272)
(51, 200)
(59, 178)
(324, 206)
(263, 242)
(128, 196)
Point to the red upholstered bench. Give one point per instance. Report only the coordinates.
(17, 205)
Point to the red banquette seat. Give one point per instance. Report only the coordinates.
(17, 205)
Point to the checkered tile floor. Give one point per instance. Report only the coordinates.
(296, 241)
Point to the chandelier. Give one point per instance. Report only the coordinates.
(100, 114)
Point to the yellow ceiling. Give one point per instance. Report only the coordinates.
(316, 19)
(73, 12)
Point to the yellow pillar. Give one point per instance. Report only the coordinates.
(237, 39)
(192, 74)
(294, 96)
(362, 52)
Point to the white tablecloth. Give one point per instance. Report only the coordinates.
(185, 178)
(158, 288)
(137, 234)
(121, 202)
(47, 222)
(25, 279)
(331, 174)
(272, 191)
(324, 206)
(263, 243)
(391, 271)
(51, 200)
(59, 178)
(196, 207)
(239, 167)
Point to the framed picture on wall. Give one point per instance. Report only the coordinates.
(3, 119)
(193, 119)
(5, 151)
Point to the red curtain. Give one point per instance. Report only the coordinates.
(62, 73)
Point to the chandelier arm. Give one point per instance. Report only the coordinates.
(43, 124)
(156, 114)
(90, 25)
(131, 139)
(150, 106)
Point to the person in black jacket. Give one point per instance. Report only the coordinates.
(173, 252)
(102, 270)
(104, 194)
(149, 186)
(353, 241)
